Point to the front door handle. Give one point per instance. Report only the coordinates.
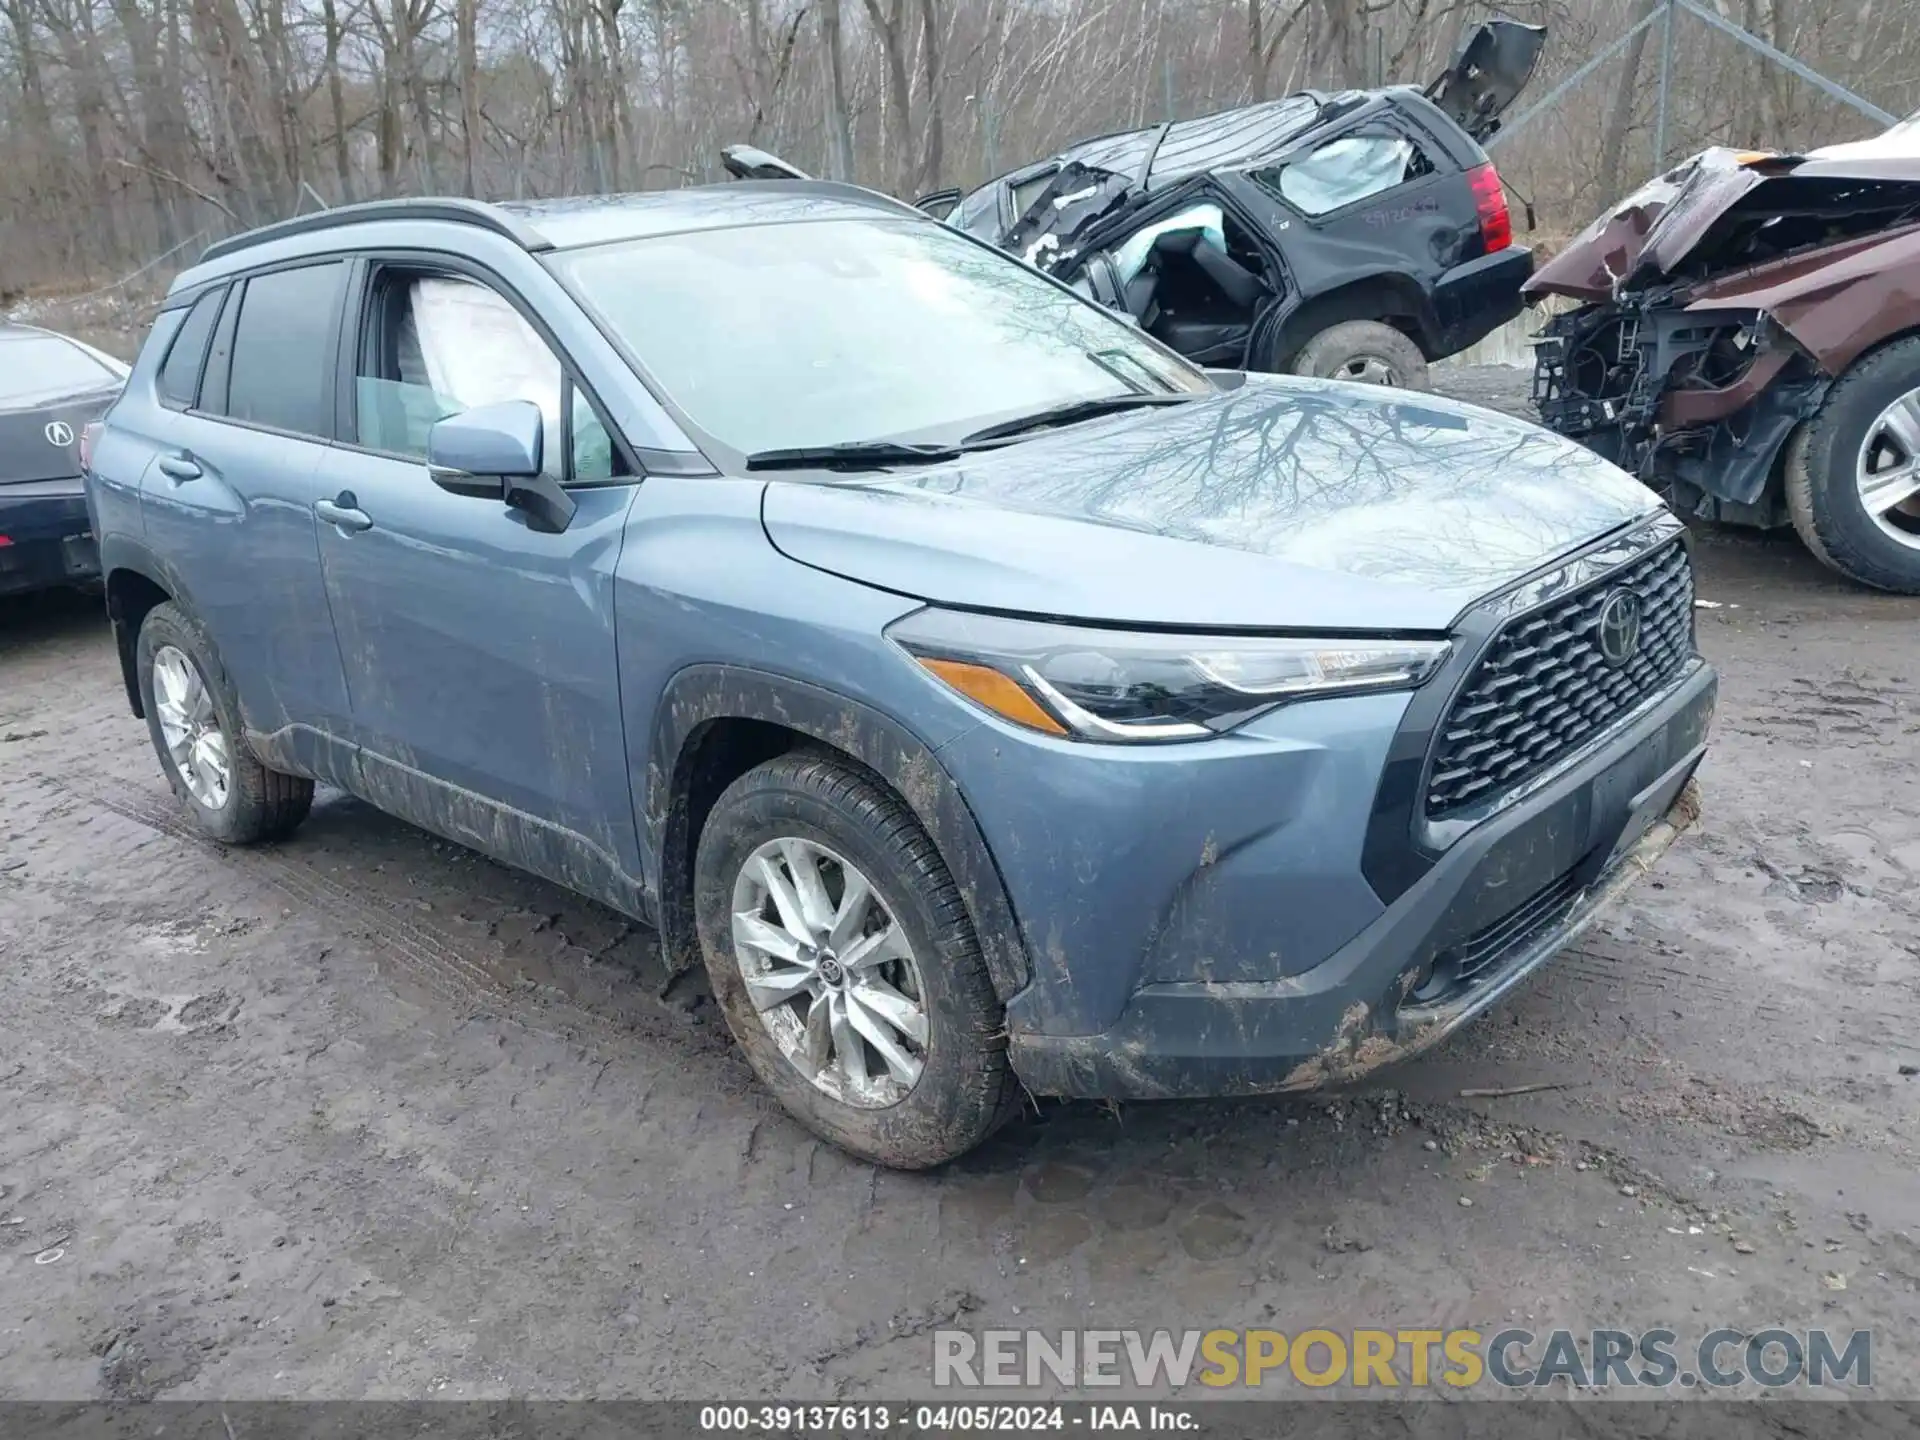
(344, 513)
(180, 467)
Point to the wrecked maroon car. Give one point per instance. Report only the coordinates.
(1747, 341)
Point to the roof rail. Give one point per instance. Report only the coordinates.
(455, 209)
(844, 189)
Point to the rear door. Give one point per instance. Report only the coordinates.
(228, 499)
(479, 650)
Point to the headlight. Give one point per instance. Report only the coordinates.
(1118, 685)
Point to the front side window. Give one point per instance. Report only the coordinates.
(282, 361)
(436, 345)
(1345, 171)
(823, 332)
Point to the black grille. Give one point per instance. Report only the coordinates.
(1462, 963)
(1542, 687)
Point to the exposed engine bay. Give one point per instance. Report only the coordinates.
(1696, 406)
(1717, 307)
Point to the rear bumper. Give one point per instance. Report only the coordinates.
(1626, 803)
(1473, 300)
(48, 539)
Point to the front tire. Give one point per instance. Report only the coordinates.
(194, 720)
(846, 964)
(1853, 472)
(1366, 352)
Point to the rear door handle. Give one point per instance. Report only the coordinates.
(344, 513)
(180, 467)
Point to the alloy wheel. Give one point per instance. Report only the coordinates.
(1888, 470)
(1367, 370)
(831, 972)
(190, 727)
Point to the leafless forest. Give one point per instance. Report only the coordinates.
(132, 127)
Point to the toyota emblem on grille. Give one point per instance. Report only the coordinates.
(59, 432)
(1619, 628)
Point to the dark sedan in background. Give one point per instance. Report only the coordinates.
(51, 388)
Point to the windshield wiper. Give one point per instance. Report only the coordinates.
(1070, 412)
(851, 455)
(879, 454)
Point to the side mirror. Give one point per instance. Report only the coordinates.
(494, 452)
(473, 452)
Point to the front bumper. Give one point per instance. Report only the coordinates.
(48, 540)
(1509, 893)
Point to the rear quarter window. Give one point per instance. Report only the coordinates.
(179, 381)
(1344, 172)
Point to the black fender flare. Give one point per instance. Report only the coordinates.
(120, 553)
(702, 694)
(1295, 319)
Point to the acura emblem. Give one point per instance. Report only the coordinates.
(59, 432)
(1619, 627)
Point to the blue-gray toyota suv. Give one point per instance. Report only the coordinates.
(988, 696)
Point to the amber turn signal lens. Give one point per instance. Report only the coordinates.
(990, 688)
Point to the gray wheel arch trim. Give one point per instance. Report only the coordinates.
(702, 694)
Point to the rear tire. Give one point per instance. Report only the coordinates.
(194, 720)
(937, 1082)
(1365, 351)
(1830, 455)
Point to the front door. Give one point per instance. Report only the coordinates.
(479, 651)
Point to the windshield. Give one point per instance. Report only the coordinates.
(37, 368)
(826, 332)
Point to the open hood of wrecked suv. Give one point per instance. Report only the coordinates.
(1725, 210)
(1286, 504)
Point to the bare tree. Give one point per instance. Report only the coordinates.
(131, 125)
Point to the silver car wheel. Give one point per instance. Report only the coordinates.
(1888, 471)
(1367, 370)
(190, 727)
(830, 972)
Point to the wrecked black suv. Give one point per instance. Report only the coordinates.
(1355, 236)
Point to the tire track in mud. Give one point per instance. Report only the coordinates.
(1604, 964)
(436, 961)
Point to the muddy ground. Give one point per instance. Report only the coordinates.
(366, 1115)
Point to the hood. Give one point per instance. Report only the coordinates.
(1901, 140)
(1286, 504)
(1727, 209)
(1491, 67)
(42, 442)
